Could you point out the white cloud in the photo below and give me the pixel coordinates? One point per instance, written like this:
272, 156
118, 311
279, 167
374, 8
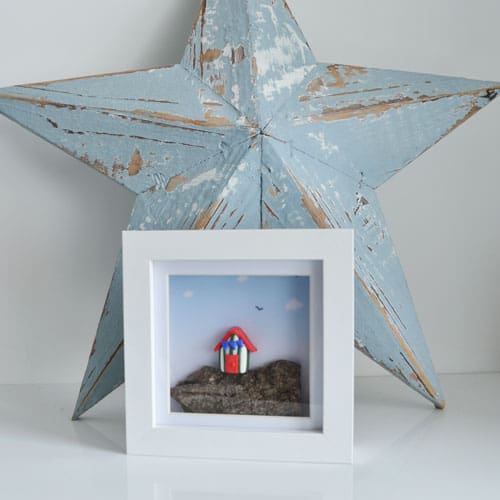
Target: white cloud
188, 294
294, 305
242, 279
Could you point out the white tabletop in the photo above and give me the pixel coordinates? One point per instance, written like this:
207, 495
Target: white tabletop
403, 450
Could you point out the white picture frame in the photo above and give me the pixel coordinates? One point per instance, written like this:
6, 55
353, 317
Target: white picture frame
326, 256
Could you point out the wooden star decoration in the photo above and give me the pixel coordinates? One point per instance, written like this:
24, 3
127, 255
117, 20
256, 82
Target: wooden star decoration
250, 131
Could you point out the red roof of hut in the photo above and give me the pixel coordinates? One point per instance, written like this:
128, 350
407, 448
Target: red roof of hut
236, 330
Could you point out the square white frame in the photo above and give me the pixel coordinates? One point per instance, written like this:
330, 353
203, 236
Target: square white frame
334, 442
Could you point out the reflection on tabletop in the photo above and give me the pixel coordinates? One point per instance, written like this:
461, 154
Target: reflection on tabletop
403, 449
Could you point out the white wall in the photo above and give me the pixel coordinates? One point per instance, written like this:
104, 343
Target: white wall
60, 222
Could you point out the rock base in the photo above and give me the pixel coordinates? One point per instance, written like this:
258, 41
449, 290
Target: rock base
274, 390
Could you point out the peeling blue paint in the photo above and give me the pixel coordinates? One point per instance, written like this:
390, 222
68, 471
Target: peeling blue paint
250, 132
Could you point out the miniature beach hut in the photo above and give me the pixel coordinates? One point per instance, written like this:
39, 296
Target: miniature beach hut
234, 351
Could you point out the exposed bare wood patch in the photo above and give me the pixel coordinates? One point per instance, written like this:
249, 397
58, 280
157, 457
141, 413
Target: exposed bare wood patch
204, 218
317, 214
220, 89
339, 79
41, 102
174, 182
352, 71
203, 9
210, 55
100, 167
135, 164
306, 98
474, 109
200, 14
117, 114
219, 217
217, 121
360, 111
274, 191
117, 169
238, 54
89, 95
210, 121
255, 67
315, 86
399, 337
415, 375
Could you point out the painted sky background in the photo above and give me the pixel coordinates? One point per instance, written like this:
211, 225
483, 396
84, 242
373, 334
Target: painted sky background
203, 308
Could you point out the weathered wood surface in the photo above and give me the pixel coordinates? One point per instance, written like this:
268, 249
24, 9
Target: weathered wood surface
250, 132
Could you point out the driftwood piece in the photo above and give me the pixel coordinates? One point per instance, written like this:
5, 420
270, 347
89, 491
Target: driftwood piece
274, 390
249, 131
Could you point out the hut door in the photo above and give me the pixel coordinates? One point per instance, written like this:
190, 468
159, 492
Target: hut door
232, 364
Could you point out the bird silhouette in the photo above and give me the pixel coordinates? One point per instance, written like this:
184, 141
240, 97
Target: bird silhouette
259, 308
